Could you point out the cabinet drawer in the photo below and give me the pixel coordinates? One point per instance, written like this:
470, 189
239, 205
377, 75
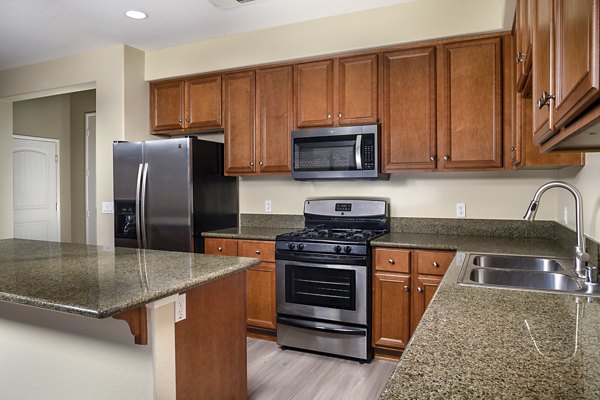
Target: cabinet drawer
223, 247
433, 262
257, 249
392, 260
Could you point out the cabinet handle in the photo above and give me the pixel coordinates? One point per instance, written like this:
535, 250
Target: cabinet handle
328, 116
251, 164
187, 120
260, 163
180, 120
446, 157
219, 249
406, 288
340, 115
420, 289
544, 100
520, 57
513, 148
436, 265
391, 261
257, 252
432, 158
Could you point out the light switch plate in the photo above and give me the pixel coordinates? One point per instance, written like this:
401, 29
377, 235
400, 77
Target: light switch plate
108, 207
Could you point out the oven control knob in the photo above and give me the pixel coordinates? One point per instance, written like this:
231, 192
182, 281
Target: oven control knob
348, 249
337, 248
291, 246
300, 246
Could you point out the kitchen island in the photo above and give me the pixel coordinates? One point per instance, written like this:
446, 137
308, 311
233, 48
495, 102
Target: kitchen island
476, 342
59, 342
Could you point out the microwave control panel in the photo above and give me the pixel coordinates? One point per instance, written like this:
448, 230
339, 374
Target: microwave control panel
368, 152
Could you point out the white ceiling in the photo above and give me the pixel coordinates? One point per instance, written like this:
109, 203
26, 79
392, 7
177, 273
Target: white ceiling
36, 30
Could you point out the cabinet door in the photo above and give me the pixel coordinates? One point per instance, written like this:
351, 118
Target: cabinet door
358, 90
221, 247
423, 291
471, 105
576, 57
260, 300
409, 110
239, 92
203, 102
275, 119
523, 43
314, 94
166, 106
391, 310
542, 34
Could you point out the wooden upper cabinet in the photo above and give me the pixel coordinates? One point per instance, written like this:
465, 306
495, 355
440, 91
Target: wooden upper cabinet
166, 106
203, 102
541, 29
523, 54
358, 90
314, 94
239, 122
409, 110
576, 57
470, 108
275, 118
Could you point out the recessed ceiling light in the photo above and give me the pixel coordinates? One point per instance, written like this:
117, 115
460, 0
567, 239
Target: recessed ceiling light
136, 14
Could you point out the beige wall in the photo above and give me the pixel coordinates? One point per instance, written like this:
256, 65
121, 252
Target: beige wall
6, 170
49, 117
104, 69
81, 102
587, 180
408, 22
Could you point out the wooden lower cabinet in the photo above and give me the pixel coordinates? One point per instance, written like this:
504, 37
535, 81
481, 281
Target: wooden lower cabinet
261, 316
404, 282
391, 310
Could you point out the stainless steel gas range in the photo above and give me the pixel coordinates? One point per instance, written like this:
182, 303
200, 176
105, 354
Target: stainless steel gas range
324, 277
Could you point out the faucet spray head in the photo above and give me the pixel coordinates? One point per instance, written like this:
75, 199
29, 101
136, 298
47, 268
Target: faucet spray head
531, 211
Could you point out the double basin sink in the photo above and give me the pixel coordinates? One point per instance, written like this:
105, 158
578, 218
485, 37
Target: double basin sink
524, 273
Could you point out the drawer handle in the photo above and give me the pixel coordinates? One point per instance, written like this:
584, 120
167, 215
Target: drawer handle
420, 289
391, 261
220, 249
436, 265
257, 252
406, 288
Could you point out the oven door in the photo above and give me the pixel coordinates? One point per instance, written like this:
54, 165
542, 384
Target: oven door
322, 291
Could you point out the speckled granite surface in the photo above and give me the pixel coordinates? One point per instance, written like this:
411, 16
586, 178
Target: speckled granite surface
102, 281
248, 233
478, 343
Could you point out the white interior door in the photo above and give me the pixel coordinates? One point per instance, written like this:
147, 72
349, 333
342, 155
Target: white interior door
35, 189
90, 178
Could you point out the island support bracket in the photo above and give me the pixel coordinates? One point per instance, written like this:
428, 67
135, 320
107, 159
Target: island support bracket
137, 321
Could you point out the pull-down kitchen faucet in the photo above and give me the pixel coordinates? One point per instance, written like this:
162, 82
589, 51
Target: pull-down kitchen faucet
580, 256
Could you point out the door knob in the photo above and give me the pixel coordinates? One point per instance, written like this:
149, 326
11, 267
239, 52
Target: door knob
436, 265
432, 158
420, 289
406, 288
446, 157
391, 261
220, 249
257, 252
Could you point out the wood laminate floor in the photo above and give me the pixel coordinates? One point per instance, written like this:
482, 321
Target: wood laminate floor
276, 374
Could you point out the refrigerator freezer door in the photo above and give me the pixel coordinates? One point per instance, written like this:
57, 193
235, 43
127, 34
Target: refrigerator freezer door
168, 195
127, 158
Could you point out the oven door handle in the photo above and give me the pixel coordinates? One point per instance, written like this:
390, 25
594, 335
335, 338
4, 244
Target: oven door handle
314, 326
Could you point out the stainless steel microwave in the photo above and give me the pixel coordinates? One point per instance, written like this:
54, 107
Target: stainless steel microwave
350, 152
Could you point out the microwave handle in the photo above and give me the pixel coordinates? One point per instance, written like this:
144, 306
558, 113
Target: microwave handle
357, 152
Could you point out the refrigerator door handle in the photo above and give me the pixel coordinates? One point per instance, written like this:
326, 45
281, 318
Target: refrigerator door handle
143, 205
137, 207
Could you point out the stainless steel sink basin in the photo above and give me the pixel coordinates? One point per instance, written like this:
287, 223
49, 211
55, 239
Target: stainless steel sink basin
518, 262
524, 273
525, 279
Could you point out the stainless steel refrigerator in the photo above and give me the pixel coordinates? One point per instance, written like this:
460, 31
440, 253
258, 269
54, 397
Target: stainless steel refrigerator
167, 192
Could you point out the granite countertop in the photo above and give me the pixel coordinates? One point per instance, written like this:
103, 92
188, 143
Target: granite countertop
248, 233
100, 282
477, 342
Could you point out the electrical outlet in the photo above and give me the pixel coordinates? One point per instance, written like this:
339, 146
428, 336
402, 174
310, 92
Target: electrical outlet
108, 207
180, 308
566, 215
461, 210
267, 205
